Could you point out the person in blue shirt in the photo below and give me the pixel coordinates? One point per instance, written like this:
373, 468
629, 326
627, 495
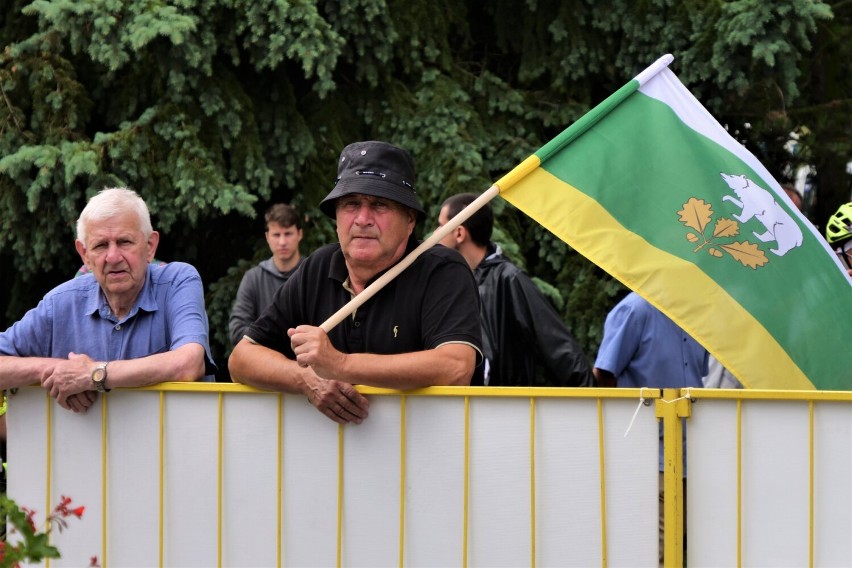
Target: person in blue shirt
126, 323
642, 347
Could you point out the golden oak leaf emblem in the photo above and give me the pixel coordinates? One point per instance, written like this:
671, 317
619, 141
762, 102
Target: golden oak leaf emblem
749, 254
697, 215
726, 228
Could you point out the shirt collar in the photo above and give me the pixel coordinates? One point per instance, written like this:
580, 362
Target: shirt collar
96, 301
493, 251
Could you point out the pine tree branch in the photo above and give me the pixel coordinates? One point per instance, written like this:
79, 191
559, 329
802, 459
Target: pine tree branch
11, 110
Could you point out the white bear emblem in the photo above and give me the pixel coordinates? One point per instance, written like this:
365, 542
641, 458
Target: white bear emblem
757, 202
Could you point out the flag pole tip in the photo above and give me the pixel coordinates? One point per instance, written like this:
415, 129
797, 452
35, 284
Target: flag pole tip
657, 66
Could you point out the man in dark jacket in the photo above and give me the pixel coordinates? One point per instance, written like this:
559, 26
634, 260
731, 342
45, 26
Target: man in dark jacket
519, 325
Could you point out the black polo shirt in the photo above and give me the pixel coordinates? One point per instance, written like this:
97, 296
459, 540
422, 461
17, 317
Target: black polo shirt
432, 302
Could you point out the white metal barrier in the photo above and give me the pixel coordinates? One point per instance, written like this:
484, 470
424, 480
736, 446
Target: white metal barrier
216, 474
770, 479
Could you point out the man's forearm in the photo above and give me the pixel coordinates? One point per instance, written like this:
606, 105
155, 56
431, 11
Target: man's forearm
19, 371
264, 368
186, 363
447, 365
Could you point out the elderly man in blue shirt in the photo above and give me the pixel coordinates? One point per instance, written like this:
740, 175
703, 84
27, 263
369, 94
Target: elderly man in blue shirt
126, 323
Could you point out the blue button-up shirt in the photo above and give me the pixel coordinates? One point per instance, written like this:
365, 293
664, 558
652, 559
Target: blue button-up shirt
642, 347
75, 317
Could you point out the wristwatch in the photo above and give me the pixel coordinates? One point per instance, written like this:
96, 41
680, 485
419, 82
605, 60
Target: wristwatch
99, 377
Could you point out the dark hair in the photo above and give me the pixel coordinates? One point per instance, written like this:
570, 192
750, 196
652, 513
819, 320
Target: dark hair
284, 215
480, 224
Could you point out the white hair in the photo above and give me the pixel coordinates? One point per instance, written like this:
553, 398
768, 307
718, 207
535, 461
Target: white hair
110, 202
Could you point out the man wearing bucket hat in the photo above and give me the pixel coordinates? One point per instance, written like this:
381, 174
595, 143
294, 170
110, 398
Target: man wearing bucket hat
421, 329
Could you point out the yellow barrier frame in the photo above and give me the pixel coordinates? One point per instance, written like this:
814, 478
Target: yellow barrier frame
672, 406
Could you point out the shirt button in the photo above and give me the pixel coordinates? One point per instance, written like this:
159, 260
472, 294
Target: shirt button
118, 327
357, 324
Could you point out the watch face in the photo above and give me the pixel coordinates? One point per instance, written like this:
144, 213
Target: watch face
99, 376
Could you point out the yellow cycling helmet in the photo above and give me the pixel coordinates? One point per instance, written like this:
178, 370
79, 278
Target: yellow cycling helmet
839, 227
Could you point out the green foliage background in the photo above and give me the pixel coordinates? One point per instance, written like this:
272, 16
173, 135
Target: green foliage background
212, 109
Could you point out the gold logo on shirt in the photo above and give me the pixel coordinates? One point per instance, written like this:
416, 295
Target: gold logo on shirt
395, 330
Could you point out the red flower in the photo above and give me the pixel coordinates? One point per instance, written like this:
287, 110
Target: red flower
78, 512
62, 507
30, 514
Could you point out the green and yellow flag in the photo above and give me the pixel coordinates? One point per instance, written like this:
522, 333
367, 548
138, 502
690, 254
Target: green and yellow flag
651, 188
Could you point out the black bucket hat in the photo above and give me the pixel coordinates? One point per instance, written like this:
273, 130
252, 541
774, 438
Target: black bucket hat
378, 169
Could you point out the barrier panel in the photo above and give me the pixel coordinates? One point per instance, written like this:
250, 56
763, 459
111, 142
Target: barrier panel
204, 475
770, 478
224, 475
